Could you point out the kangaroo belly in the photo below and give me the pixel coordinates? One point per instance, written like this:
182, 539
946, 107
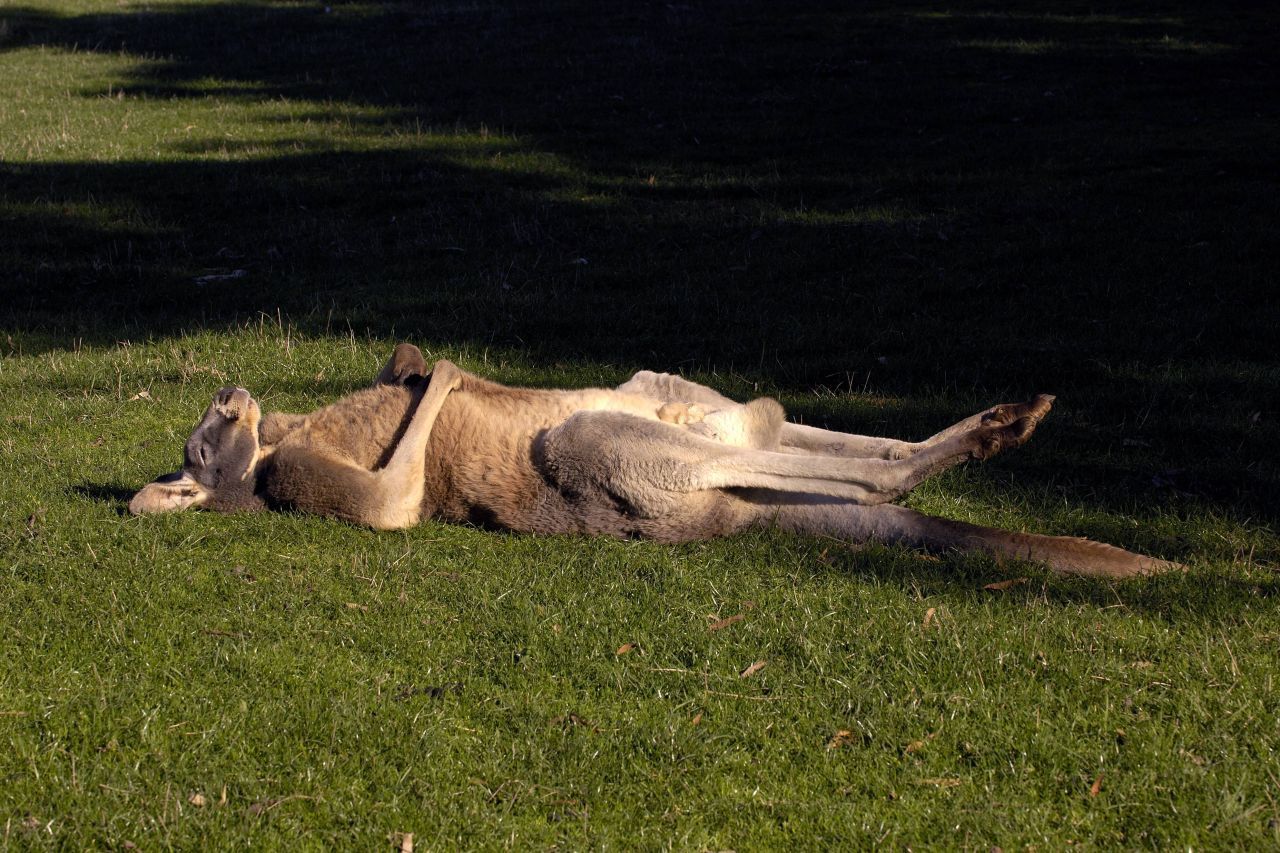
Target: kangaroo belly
362, 428
483, 464
487, 464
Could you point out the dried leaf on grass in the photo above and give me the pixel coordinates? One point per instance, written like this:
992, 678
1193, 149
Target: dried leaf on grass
1096, 787
625, 648
198, 800
726, 622
403, 841
839, 739
753, 669
1192, 757
929, 617
697, 718
1001, 586
942, 782
917, 745
351, 605
34, 522
569, 720
261, 807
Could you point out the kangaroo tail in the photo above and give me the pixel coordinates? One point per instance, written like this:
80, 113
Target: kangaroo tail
1068, 555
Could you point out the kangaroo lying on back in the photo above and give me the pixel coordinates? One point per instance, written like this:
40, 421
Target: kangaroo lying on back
658, 457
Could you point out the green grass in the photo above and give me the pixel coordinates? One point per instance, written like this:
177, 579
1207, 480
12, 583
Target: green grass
888, 215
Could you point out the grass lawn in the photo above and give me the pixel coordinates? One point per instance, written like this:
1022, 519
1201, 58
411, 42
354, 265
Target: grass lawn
889, 215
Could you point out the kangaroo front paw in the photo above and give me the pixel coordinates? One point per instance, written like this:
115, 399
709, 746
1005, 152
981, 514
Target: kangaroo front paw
681, 413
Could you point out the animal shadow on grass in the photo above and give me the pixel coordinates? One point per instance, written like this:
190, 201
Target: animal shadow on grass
113, 495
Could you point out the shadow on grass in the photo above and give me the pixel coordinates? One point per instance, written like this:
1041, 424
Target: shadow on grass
830, 186
113, 495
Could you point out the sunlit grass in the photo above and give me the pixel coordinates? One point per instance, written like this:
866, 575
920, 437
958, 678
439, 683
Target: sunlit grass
72, 106
888, 218
309, 669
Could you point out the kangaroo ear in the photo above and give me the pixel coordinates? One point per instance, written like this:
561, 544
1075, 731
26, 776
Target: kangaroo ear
169, 493
405, 367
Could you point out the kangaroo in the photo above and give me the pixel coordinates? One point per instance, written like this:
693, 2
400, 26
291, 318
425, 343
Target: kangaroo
658, 457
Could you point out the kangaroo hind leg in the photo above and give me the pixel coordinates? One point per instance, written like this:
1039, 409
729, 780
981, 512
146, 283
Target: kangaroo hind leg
682, 394
648, 465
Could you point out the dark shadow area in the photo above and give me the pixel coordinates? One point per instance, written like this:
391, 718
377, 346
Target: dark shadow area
1028, 196
112, 494
827, 180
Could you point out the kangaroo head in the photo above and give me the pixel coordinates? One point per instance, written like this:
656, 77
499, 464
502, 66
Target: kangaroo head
219, 461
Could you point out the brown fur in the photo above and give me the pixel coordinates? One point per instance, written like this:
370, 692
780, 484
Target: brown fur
659, 458
479, 465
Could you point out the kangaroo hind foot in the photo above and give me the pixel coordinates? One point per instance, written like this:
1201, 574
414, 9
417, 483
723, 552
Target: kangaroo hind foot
1007, 426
